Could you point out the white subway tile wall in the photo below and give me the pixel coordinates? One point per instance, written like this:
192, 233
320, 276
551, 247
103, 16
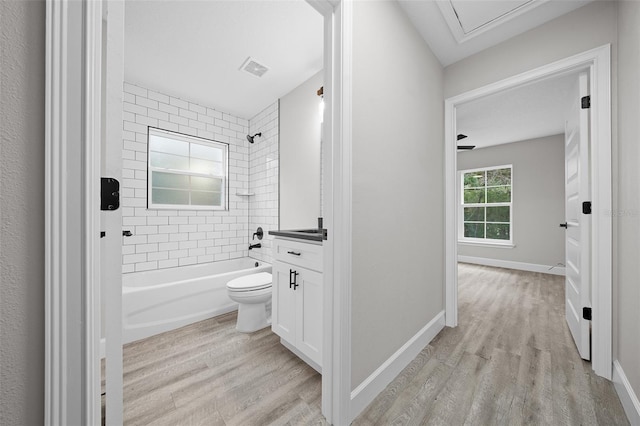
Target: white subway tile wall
263, 179
170, 238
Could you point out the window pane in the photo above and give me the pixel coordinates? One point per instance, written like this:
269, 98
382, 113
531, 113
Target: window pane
474, 180
499, 177
499, 194
206, 167
498, 231
199, 198
169, 146
169, 196
498, 214
474, 214
169, 180
206, 184
474, 230
169, 161
206, 152
473, 196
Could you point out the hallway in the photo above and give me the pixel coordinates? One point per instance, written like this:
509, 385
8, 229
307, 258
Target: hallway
511, 360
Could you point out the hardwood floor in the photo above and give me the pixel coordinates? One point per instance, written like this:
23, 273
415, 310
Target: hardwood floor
209, 374
510, 361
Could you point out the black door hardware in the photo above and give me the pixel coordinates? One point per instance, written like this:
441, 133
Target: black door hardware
586, 207
126, 233
259, 233
586, 314
564, 225
103, 234
109, 194
295, 253
293, 279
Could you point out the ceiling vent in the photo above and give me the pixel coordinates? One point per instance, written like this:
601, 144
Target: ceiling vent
253, 67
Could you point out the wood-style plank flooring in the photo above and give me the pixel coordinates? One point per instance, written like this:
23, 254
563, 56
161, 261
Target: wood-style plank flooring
510, 361
209, 374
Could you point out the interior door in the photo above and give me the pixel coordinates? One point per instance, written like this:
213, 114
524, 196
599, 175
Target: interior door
111, 221
578, 283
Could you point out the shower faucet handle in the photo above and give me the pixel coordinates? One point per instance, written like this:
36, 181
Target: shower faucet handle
259, 232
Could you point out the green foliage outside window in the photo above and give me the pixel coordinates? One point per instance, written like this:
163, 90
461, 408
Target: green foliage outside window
486, 203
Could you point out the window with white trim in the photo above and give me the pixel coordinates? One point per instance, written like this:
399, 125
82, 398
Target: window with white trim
186, 172
486, 205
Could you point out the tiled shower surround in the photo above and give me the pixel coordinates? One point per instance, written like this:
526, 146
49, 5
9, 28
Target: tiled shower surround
170, 238
263, 179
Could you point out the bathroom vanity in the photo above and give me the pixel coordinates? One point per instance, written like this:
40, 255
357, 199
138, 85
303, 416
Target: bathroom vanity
297, 311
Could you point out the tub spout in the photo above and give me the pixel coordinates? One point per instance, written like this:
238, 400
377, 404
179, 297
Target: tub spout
252, 246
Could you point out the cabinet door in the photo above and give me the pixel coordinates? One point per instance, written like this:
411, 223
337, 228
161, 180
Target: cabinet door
283, 312
309, 314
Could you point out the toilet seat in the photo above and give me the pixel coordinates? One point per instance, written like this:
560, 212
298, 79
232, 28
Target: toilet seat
250, 282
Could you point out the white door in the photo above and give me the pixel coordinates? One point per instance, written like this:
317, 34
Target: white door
578, 283
111, 221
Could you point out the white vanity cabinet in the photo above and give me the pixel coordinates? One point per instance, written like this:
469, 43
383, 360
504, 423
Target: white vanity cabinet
297, 298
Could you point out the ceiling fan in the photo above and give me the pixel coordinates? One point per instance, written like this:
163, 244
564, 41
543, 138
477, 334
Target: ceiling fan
464, 147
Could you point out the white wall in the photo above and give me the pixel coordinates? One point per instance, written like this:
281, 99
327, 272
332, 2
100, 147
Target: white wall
22, 75
300, 156
538, 199
626, 215
398, 188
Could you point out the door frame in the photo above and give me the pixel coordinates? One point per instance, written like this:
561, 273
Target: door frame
598, 63
73, 102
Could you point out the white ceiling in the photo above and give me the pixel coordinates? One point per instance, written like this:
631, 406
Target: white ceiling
528, 112
194, 49
478, 24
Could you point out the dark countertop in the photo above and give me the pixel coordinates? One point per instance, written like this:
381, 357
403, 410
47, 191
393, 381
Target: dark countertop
301, 234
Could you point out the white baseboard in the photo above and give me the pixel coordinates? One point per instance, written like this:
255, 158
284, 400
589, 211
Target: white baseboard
522, 266
379, 379
626, 394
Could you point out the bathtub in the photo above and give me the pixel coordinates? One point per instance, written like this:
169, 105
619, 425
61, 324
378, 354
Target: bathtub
164, 299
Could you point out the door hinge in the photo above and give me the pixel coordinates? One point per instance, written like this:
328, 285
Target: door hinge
586, 313
585, 102
586, 207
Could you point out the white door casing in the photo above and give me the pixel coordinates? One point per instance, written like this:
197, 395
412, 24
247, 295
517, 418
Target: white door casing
577, 238
597, 62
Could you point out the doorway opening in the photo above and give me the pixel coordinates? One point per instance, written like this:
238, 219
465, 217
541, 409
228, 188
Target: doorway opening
596, 64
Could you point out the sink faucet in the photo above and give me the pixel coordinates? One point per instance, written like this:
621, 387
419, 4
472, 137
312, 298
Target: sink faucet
252, 246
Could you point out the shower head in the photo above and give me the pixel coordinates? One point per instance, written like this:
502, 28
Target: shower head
250, 138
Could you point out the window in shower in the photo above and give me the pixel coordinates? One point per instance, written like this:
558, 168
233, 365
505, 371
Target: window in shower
186, 172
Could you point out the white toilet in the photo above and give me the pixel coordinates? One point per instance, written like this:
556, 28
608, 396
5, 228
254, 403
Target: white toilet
253, 293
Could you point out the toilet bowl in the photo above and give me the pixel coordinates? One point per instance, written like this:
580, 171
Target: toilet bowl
253, 294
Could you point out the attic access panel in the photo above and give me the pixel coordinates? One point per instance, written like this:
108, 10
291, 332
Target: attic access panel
467, 18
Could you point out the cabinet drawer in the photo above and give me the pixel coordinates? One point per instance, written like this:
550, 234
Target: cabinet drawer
299, 254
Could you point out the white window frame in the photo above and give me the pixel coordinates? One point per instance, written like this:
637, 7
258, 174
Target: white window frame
483, 241
191, 140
